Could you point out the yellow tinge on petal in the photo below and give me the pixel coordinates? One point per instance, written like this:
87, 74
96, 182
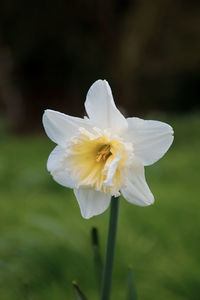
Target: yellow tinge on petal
99, 161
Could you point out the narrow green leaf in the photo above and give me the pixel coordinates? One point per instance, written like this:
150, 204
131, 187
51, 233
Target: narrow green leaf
96, 253
26, 291
131, 290
78, 292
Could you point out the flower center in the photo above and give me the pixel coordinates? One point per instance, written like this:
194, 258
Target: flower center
98, 161
103, 153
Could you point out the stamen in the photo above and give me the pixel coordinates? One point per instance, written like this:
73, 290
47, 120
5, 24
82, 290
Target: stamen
103, 153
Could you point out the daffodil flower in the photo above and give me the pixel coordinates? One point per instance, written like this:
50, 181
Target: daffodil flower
104, 155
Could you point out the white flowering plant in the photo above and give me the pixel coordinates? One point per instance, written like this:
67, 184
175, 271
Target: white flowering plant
102, 156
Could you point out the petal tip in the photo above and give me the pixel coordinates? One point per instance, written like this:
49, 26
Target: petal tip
151, 201
148, 202
47, 113
100, 83
85, 216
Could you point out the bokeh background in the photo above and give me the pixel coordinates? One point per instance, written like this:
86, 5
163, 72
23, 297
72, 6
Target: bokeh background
50, 54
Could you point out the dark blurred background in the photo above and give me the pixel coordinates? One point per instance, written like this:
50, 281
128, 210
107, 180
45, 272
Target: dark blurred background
52, 51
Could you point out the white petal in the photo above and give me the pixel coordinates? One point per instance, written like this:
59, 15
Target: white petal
136, 190
111, 170
56, 165
91, 202
60, 127
150, 139
101, 108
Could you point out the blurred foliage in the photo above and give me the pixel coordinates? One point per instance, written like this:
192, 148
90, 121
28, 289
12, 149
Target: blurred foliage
52, 51
45, 243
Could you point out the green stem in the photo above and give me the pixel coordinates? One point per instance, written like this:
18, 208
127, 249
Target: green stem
108, 265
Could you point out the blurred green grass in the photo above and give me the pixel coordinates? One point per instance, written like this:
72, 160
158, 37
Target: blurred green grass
45, 243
